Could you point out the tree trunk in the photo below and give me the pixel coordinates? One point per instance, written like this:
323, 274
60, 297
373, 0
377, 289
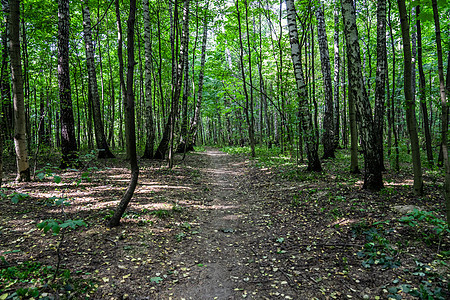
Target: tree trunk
5, 82
328, 138
201, 75
20, 139
443, 90
304, 112
69, 148
422, 93
336, 79
410, 105
100, 137
354, 166
130, 131
150, 128
380, 80
372, 170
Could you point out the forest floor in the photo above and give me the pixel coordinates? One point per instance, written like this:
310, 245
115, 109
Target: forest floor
221, 226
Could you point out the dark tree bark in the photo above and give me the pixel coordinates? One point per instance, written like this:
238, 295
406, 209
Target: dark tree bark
380, 80
410, 105
20, 139
100, 137
328, 138
422, 93
304, 112
69, 148
150, 128
372, 170
130, 131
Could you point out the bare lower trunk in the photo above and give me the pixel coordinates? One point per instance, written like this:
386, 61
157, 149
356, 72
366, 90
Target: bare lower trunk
304, 112
328, 115
410, 105
100, 137
130, 121
443, 90
372, 168
150, 130
20, 140
69, 148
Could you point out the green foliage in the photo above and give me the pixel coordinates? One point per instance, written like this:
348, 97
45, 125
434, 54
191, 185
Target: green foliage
56, 225
378, 250
17, 197
34, 278
418, 217
432, 284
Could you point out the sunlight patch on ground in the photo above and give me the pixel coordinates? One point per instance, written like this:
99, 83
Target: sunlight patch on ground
157, 206
342, 222
215, 153
154, 187
408, 182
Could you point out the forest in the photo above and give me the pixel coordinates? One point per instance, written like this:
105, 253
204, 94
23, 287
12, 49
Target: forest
227, 149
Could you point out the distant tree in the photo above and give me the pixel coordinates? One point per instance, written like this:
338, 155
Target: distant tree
20, 140
68, 142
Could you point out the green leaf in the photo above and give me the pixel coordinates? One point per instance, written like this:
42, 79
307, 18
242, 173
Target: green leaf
156, 279
57, 179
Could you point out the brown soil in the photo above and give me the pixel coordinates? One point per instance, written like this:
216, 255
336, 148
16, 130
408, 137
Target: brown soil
218, 227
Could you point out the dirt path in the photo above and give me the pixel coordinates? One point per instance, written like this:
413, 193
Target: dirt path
213, 255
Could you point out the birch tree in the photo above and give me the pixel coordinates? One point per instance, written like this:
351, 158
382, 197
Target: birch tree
302, 92
372, 170
328, 118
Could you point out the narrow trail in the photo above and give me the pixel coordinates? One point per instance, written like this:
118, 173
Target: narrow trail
222, 235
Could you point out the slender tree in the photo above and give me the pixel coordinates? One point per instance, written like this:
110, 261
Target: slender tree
196, 118
422, 92
150, 128
328, 138
410, 105
372, 170
443, 90
336, 79
380, 80
302, 92
130, 131
68, 142
99, 131
20, 140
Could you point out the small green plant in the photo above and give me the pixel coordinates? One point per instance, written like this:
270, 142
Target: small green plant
17, 197
378, 250
161, 213
179, 237
414, 218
